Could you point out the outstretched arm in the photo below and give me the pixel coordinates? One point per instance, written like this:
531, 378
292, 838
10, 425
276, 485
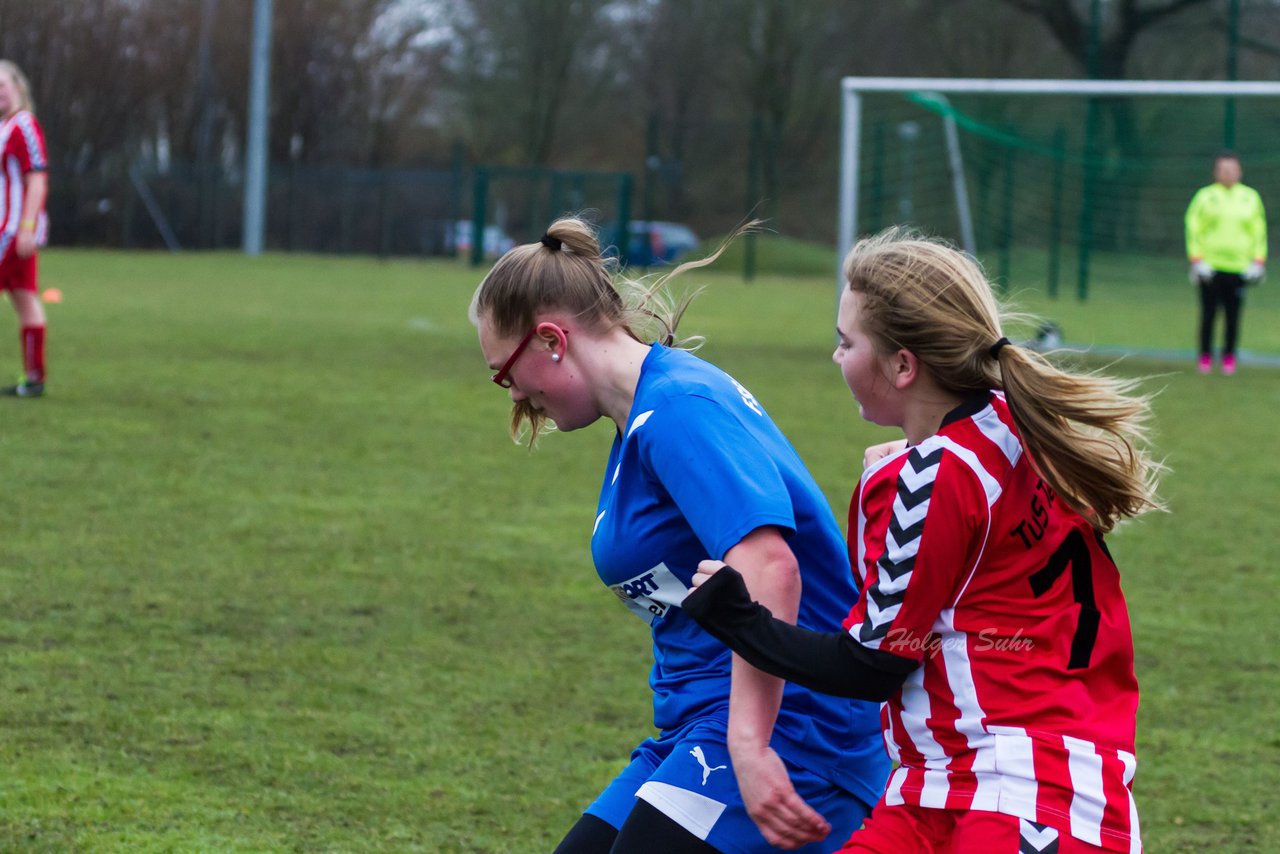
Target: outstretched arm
832, 663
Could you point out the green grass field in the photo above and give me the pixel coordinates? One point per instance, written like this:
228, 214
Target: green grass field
275, 579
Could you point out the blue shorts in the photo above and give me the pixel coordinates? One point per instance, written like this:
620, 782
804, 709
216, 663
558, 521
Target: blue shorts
686, 775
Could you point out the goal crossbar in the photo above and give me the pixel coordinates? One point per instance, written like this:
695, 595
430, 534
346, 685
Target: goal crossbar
1061, 87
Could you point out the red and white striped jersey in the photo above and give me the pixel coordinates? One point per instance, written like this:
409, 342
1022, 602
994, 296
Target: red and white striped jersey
1025, 700
21, 152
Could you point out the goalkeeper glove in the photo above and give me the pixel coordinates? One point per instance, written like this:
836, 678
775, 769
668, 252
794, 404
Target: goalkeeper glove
1200, 272
1255, 272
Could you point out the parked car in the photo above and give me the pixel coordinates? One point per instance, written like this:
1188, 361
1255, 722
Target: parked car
651, 244
496, 241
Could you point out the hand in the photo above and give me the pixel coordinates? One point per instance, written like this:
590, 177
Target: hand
1200, 271
719, 597
1255, 272
25, 245
706, 569
876, 453
771, 800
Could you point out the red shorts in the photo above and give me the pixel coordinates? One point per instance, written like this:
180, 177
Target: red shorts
908, 829
18, 274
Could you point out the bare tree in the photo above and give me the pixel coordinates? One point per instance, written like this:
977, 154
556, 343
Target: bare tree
677, 89
1122, 23
594, 84
515, 67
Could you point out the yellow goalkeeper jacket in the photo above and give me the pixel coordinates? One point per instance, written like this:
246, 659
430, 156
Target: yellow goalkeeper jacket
1227, 227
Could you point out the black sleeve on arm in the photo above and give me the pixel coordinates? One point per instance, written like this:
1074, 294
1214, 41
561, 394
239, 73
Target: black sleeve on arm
831, 663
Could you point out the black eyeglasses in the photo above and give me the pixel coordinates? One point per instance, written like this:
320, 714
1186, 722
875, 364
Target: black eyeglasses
502, 377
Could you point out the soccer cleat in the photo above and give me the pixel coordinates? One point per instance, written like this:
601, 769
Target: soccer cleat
1206, 363
1228, 364
26, 388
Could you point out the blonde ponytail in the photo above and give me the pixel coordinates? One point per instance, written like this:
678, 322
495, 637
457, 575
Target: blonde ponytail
1086, 434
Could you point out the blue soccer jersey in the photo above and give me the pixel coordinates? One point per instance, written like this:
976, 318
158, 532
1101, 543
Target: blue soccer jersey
700, 466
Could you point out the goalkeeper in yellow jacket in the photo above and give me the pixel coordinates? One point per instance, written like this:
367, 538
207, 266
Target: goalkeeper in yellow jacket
1227, 250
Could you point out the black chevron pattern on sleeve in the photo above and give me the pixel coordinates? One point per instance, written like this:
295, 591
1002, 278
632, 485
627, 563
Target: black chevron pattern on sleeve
902, 542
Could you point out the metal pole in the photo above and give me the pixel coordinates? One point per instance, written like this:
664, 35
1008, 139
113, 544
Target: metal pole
958, 187
1055, 217
850, 133
384, 213
1095, 25
1089, 177
1006, 220
624, 215
908, 133
456, 188
154, 209
204, 129
1085, 244
255, 176
753, 197
876, 192
652, 161
1233, 50
479, 199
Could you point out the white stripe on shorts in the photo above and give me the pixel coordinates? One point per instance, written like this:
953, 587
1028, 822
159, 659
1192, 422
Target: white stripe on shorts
694, 812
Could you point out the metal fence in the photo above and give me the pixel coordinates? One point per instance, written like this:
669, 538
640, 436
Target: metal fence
384, 212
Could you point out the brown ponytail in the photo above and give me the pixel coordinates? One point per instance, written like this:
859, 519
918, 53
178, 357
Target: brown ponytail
566, 271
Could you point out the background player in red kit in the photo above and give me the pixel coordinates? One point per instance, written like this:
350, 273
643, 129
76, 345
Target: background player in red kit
23, 225
990, 619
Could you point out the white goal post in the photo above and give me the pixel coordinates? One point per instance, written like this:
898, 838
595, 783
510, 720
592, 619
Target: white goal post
854, 88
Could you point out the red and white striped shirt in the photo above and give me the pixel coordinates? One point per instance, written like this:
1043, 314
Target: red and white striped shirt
21, 152
1026, 700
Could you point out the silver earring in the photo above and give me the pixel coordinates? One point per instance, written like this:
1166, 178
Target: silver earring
555, 357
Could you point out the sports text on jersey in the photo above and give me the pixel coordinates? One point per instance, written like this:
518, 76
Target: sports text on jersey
650, 594
1031, 529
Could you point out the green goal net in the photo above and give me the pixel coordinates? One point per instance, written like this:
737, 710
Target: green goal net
1054, 185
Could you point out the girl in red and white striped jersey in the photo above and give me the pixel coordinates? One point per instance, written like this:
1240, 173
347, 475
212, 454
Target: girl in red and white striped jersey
23, 225
990, 620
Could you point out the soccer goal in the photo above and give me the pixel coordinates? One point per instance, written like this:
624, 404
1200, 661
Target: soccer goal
1054, 184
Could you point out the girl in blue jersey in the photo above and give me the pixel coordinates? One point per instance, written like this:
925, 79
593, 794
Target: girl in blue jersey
742, 761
